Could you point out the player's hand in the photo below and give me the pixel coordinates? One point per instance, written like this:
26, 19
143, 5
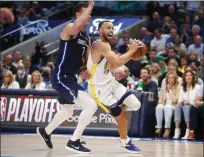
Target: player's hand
85, 75
91, 3
135, 45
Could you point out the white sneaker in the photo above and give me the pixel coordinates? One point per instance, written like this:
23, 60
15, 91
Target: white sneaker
177, 133
186, 134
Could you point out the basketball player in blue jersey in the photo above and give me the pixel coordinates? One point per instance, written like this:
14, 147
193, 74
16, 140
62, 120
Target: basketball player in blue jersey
73, 50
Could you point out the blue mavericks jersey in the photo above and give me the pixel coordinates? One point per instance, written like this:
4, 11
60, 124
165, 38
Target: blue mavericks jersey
70, 55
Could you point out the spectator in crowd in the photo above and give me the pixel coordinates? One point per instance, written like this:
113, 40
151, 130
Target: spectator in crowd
134, 67
27, 65
147, 84
46, 75
127, 74
155, 23
187, 98
178, 45
189, 36
167, 101
36, 81
173, 33
167, 24
126, 34
172, 54
162, 79
156, 73
200, 20
198, 46
152, 6
119, 76
201, 68
51, 65
173, 61
123, 48
145, 36
192, 6
2, 70
8, 64
192, 56
161, 61
183, 64
152, 56
16, 58
159, 41
152, 78
21, 77
172, 13
8, 81
196, 113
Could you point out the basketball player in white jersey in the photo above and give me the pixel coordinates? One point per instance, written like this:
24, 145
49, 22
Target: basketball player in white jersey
107, 92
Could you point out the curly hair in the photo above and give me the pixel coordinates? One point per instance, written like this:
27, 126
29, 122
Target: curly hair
184, 84
176, 82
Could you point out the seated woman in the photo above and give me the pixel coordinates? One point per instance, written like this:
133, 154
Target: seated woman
167, 101
8, 81
36, 81
187, 98
156, 71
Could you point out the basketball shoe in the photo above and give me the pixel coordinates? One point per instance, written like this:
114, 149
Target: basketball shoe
129, 147
46, 138
77, 147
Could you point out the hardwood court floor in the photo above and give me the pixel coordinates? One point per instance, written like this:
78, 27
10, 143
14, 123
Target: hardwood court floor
32, 146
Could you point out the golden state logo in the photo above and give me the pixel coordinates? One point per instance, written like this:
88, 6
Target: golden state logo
106, 68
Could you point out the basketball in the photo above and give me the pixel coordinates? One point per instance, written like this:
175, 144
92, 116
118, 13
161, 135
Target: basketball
139, 53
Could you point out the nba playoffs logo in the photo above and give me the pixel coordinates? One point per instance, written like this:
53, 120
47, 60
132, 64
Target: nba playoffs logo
3, 108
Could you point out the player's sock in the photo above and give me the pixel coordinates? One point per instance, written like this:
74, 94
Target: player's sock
65, 112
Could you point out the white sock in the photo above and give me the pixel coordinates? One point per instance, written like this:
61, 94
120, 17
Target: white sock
65, 112
124, 141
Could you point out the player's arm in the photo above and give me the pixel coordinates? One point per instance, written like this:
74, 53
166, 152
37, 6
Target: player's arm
115, 60
79, 24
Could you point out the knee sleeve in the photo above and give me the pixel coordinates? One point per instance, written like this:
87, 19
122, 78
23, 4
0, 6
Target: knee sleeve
116, 111
132, 103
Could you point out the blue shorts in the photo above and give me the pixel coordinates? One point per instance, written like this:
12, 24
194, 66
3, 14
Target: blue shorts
66, 87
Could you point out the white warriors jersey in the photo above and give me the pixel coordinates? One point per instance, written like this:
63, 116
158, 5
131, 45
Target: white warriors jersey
100, 73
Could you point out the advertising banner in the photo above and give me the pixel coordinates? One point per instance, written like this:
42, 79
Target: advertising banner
120, 23
22, 110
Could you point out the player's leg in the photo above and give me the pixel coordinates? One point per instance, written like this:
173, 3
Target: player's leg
89, 108
131, 103
65, 112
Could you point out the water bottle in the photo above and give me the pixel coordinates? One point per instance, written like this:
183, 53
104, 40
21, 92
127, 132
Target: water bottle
140, 86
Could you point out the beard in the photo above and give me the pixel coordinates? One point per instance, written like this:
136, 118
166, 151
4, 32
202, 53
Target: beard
105, 37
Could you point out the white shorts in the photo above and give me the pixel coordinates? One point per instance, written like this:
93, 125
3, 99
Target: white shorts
112, 93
